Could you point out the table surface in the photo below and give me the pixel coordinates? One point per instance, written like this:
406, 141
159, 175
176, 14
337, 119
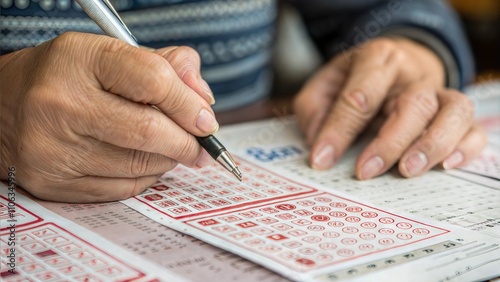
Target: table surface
267, 108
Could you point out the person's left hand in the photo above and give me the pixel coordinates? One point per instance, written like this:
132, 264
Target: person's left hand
402, 81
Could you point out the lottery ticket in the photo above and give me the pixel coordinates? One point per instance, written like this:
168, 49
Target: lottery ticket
306, 231
38, 245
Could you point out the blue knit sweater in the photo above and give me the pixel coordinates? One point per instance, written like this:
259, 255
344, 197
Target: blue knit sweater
235, 37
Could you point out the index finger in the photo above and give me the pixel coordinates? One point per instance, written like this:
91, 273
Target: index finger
373, 71
145, 77
187, 64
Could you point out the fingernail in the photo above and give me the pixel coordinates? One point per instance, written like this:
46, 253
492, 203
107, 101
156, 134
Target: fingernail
453, 160
416, 163
204, 160
204, 85
360, 100
323, 158
206, 122
372, 167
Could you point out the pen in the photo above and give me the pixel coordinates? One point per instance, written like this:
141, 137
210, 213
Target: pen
104, 15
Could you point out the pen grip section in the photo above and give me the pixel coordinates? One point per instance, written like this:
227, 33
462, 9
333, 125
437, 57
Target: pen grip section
213, 147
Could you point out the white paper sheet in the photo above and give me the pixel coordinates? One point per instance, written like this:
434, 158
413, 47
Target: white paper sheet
180, 254
144, 249
38, 245
308, 225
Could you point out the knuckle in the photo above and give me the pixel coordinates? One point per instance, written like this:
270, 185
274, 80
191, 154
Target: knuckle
187, 152
178, 101
187, 53
427, 145
443, 149
424, 105
139, 163
185, 60
148, 128
157, 77
396, 145
112, 46
62, 41
60, 48
381, 45
348, 125
359, 102
437, 144
465, 105
136, 188
398, 56
462, 113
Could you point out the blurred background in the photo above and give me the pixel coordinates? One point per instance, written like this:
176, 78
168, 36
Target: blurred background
295, 57
481, 19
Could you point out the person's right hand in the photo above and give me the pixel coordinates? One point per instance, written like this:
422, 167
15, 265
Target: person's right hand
78, 123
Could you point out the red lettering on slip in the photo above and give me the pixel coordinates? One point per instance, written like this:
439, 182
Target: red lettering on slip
306, 262
208, 222
277, 237
247, 224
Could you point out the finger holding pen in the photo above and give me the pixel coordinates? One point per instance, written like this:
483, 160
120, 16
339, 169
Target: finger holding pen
152, 80
103, 13
163, 78
187, 64
82, 126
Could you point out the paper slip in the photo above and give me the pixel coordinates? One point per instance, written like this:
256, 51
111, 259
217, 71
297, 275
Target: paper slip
38, 245
308, 229
177, 253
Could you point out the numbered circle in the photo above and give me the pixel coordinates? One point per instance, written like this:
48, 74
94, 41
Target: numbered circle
369, 214
386, 231
386, 220
368, 225
404, 236
403, 225
328, 246
367, 236
345, 253
321, 208
338, 214
366, 247
335, 224
315, 227
331, 234
352, 219
338, 205
324, 257
421, 231
353, 209
386, 241
349, 241
323, 199
350, 230
320, 218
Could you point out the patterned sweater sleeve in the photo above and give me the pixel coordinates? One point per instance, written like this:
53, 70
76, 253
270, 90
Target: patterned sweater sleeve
339, 25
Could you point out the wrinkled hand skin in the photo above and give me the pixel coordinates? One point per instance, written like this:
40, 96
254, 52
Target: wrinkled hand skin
396, 87
78, 121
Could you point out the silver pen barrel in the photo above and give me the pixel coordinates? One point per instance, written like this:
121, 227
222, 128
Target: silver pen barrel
108, 20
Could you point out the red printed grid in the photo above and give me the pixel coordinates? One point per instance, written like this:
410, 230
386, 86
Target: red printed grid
181, 193
315, 231
21, 215
49, 253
